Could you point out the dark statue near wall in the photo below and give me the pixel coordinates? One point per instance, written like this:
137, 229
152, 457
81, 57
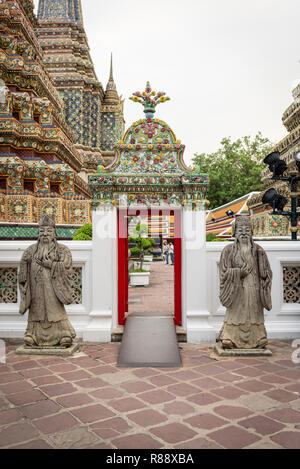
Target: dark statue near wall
245, 290
45, 287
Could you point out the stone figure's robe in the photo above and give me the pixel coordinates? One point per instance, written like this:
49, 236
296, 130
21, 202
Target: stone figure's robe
245, 298
44, 292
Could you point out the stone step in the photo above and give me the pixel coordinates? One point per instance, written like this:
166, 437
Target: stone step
116, 335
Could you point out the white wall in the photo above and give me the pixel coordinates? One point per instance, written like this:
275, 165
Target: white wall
94, 319
12, 324
283, 321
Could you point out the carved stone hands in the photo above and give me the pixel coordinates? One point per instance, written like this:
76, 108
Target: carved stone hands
45, 263
245, 270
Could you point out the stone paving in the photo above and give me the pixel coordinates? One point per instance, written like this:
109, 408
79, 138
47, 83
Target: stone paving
85, 401
158, 296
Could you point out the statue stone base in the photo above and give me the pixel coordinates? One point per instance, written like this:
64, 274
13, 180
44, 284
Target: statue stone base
57, 351
241, 352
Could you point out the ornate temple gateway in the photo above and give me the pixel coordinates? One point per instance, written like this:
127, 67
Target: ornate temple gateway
147, 177
148, 168
55, 117
265, 224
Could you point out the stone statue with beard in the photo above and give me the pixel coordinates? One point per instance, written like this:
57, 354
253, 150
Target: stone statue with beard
245, 290
45, 287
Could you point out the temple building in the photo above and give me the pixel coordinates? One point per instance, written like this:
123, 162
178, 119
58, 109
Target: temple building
219, 220
265, 224
55, 117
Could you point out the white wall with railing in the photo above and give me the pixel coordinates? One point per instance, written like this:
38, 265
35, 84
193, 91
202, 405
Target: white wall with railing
94, 311
283, 321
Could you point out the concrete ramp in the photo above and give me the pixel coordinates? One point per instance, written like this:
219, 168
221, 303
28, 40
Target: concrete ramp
149, 341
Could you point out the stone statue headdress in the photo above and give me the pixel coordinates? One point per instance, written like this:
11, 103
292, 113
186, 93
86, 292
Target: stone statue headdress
242, 220
47, 220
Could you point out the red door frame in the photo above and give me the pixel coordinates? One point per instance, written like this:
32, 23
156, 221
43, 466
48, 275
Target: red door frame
123, 263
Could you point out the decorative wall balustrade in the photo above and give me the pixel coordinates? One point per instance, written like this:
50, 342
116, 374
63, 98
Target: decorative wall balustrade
9, 285
291, 283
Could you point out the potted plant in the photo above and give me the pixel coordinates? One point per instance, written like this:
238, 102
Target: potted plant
140, 275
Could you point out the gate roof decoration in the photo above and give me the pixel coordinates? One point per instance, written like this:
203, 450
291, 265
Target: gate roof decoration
148, 168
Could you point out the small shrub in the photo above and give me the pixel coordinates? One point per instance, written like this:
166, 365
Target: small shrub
84, 233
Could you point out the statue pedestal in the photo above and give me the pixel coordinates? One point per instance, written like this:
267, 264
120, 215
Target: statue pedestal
57, 351
242, 352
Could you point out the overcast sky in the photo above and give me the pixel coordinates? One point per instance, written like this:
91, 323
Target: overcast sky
229, 66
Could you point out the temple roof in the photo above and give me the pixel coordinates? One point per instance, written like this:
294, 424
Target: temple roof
60, 10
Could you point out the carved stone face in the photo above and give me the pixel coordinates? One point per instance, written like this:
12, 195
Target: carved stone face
47, 233
243, 233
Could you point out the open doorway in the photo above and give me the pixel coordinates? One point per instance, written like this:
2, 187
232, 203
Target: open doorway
149, 263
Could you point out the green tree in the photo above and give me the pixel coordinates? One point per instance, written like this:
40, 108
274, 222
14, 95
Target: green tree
143, 245
234, 169
84, 233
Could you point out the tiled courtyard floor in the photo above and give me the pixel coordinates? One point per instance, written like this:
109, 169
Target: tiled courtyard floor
87, 402
158, 296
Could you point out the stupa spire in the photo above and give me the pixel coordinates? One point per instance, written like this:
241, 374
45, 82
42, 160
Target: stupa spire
60, 10
111, 95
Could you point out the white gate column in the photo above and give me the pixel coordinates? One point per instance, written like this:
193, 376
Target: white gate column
194, 275
104, 274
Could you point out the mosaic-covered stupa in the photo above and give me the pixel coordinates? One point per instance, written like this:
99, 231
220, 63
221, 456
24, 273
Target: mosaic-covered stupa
264, 223
54, 117
95, 115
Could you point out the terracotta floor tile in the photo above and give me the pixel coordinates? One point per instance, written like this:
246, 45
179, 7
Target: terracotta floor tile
232, 412
92, 413
162, 380
182, 389
156, 397
233, 437
285, 415
137, 441
178, 408
56, 423
254, 386
281, 395
137, 386
107, 393
9, 416
229, 392
288, 439
204, 398
262, 425
40, 409
58, 389
173, 433
74, 400
147, 418
18, 433
206, 421
126, 404
26, 397
207, 383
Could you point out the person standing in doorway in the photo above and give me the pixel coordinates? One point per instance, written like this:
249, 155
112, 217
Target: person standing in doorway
171, 252
165, 251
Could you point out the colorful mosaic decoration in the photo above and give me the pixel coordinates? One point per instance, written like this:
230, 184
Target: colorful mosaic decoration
8, 285
291, 283
148, 169
95, 115
52, 107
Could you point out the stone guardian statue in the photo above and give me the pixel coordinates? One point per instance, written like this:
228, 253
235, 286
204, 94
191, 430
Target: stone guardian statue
245, 290
45, 287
